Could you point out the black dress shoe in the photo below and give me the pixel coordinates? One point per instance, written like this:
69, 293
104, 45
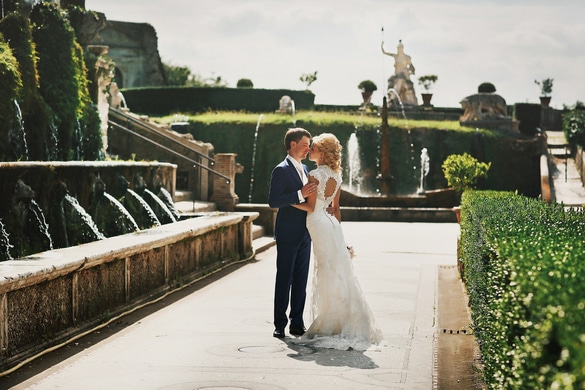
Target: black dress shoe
278, 333
297, 330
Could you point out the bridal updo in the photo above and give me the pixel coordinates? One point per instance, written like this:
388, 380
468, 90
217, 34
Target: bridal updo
329, 145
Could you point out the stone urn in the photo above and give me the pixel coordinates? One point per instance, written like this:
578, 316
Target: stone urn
426, 97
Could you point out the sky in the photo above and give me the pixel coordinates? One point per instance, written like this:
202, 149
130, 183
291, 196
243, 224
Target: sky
509, 43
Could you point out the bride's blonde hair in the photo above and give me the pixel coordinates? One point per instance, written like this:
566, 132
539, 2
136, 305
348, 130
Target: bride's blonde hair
329, 145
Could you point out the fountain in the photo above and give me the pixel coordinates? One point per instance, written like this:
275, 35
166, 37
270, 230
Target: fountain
425, 162
254, 158
422, 205
354, 165
17, 135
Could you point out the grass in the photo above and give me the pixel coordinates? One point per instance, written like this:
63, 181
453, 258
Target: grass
312, 117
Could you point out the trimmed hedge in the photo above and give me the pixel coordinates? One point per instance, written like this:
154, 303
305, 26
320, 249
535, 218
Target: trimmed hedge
515, 160
160, 101
524, 271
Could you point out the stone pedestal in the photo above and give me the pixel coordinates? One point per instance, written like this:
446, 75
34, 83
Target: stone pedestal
224, 194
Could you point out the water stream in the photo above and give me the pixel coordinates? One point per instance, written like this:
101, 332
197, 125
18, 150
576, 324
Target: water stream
412, 161
354, 164
254, 156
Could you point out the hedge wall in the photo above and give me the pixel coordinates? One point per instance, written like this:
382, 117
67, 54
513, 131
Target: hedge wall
515, 160
160, 101
524, 271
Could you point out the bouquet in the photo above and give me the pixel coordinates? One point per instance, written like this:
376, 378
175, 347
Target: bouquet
351, 251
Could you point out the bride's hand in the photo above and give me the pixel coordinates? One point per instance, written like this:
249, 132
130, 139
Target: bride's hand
331, 210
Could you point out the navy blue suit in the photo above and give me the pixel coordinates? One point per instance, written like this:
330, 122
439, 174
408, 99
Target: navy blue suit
293, 245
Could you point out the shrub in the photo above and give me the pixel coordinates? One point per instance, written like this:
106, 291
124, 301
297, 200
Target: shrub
367, 86
545, 86
523, 269
427, 81
463, 170
245, 83
486, 88
574, 127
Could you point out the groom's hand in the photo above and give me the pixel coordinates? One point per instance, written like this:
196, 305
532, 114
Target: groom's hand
308, 189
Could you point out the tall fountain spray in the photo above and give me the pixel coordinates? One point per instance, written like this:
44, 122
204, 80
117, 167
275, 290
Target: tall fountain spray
384, 175
354, 164
254, 156
411, 144
425, 162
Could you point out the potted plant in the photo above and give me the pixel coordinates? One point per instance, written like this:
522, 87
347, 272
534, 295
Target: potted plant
367, 87
545, 91
427, 82
462, 172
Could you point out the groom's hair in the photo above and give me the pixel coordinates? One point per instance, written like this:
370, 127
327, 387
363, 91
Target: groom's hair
295, 134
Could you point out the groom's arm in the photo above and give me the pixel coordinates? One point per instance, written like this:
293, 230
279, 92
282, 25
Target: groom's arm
277, 195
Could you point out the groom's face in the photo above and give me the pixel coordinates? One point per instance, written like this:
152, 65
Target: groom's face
299, 150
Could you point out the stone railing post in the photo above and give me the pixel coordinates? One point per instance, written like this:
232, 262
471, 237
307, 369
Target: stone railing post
224, 194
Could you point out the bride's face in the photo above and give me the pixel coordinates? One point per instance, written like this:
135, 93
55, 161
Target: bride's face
314, 153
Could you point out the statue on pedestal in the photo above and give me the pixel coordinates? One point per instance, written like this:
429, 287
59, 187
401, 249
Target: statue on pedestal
400, 80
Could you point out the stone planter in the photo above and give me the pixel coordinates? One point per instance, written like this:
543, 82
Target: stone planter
426, 97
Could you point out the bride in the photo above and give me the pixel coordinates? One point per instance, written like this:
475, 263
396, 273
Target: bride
341, 316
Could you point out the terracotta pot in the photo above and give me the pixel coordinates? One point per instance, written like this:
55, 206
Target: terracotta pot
426, 97
367, 95
457, 211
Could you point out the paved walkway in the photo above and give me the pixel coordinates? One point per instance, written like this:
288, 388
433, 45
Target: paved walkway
567, 186
219, 335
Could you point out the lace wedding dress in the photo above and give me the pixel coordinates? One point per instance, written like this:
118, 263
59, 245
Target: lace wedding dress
341, 316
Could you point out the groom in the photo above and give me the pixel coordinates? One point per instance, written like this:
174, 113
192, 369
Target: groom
288, 186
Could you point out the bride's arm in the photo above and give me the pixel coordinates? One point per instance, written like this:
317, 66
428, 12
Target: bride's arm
309, 205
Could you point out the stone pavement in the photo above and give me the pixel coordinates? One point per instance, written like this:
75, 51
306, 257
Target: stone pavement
217, 334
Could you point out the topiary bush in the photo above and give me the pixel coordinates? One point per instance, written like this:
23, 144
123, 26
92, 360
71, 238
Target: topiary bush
486, 88
245, 83
463, 170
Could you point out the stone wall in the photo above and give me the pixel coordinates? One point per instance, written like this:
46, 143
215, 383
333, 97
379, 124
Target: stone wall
48, 297
134, 49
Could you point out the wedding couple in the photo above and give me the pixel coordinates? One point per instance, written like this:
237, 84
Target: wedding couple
308, 209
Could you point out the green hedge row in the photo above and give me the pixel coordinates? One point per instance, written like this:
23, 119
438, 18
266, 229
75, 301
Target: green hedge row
515, 162
168, 100
523, 265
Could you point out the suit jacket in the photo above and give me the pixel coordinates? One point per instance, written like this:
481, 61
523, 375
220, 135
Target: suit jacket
284, 185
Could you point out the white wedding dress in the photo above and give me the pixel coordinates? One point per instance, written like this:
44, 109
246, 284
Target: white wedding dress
341, 316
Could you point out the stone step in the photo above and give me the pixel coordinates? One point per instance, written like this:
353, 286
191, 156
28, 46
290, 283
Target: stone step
257, 231
263, 243
183, 196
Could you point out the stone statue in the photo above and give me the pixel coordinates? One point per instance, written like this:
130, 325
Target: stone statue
116, 99
483, 106
400, 81
285, 105
487, 110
